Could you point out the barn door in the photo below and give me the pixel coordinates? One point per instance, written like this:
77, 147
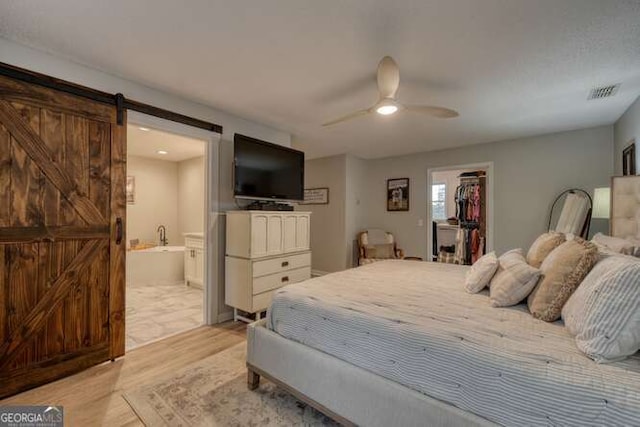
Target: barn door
62, 207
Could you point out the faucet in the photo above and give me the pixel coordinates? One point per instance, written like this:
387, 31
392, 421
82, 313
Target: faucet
163, 235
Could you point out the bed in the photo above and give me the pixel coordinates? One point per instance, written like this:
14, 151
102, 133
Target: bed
402, 343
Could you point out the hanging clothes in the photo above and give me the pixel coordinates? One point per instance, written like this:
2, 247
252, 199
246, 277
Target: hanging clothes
459, 257
470, 243
475, 245
467, 197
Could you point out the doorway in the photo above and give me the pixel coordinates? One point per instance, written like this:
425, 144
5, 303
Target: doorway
168, 228
444, 215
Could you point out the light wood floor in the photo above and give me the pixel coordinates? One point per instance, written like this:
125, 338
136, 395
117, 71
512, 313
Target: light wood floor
94, 397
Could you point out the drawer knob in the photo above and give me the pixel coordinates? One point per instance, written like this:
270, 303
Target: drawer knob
285, 263
285, 279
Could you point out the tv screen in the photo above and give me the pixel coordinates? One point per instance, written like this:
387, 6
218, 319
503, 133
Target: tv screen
267, 171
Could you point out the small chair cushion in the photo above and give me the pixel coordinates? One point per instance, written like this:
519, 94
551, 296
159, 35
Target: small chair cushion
563, 270
382, 251
543, 246
513, 281
480, 273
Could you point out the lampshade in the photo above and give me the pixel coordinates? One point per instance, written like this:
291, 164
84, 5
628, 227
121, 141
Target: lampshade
601, 203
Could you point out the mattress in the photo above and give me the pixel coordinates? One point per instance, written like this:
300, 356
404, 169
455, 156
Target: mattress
413, 323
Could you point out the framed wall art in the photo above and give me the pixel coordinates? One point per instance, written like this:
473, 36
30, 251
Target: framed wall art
629, 159
316, 196
398, 195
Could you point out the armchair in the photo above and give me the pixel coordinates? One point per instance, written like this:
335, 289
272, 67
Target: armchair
377, 245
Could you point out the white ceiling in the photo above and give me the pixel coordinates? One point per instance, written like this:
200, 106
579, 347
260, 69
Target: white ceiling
512, 68
147, 144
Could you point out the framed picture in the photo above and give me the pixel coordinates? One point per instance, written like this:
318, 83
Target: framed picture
398, 194
629, 159
131, 190
316, 196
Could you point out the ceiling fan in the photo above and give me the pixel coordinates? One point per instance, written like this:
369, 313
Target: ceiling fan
388, 82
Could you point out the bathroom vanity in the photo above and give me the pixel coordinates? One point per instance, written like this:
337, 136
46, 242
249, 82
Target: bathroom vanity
194, 259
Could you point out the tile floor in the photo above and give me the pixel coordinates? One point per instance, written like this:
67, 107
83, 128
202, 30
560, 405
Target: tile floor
157, 310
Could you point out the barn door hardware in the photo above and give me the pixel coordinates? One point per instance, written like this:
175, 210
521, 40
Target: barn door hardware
118, 99
119, 109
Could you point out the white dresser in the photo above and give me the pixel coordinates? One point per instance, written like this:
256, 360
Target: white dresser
194, 259
265, 251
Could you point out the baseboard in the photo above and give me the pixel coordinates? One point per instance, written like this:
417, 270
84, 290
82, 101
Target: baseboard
316, 273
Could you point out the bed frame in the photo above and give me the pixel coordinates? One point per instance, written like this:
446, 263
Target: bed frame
344, 392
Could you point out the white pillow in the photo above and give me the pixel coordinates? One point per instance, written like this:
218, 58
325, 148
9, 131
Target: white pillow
604, 312
514, 280
615, 244
573, 312
481, 272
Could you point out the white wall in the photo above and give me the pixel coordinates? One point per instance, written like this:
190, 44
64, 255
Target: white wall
355, 191
528, 174
156, 200
191, 182
334, 227
329, 249
626, 129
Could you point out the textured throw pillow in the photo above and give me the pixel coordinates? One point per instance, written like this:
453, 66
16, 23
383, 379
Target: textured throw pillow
513, 281
384, 251
604, 312
480, 274
543, 246
562, 271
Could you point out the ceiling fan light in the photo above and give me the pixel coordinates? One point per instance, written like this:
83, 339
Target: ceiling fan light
386, 109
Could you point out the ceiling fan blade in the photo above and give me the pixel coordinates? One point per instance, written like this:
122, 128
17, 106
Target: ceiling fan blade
439, 112
348, 117
388, 77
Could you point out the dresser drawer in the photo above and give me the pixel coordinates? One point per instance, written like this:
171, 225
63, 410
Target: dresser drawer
262, 301
274, 281
280, 264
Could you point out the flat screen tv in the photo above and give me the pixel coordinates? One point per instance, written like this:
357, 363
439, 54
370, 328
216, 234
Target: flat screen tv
267, 171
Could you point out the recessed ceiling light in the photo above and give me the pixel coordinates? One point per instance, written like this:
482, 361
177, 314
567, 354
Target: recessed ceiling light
163, 152
144, 129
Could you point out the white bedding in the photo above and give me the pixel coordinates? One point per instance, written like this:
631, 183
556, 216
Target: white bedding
413, 323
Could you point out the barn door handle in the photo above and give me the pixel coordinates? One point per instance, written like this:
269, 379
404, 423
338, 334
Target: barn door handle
118, 231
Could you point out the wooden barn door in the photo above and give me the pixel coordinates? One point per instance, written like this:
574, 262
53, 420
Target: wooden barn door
62, 207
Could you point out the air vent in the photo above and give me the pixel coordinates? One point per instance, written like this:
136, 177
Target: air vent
603, 92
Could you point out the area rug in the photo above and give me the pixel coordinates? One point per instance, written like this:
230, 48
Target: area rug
213, 392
